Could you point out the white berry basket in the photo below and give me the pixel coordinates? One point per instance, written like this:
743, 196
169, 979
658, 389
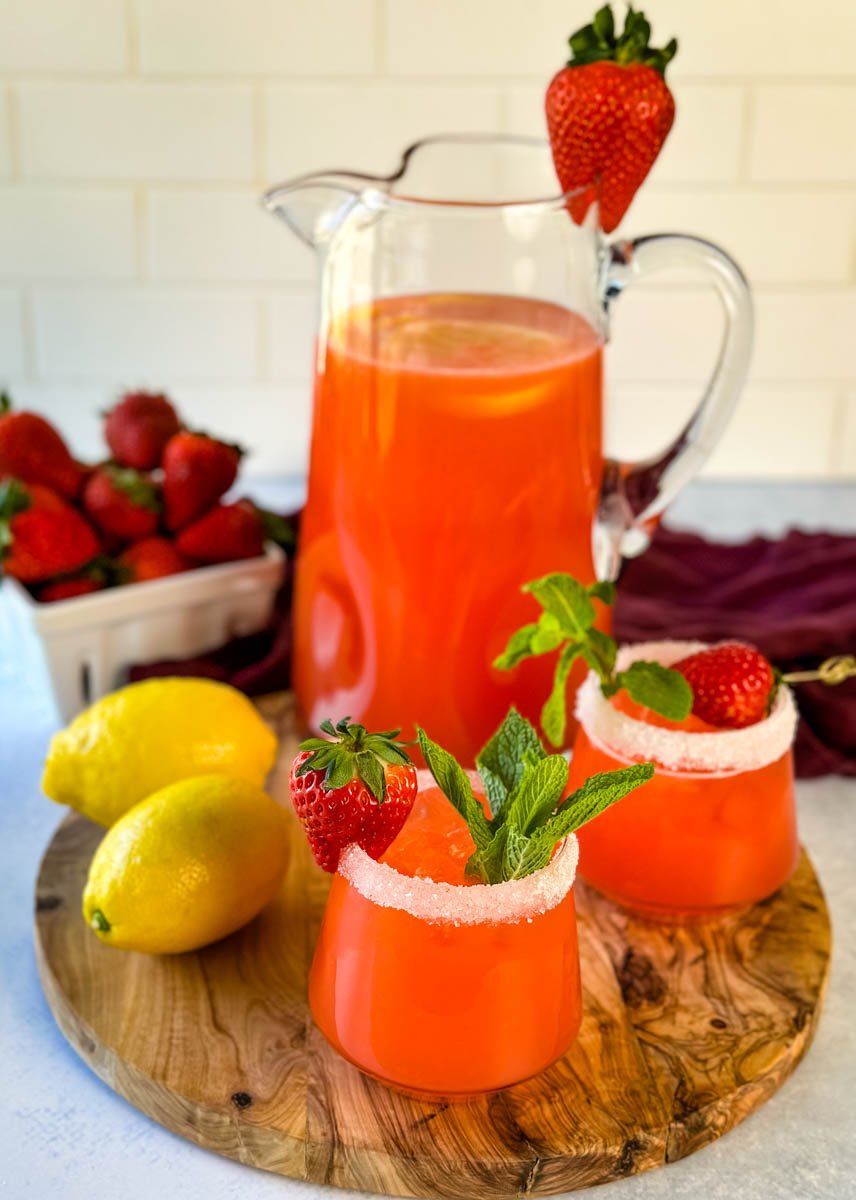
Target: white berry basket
85, 645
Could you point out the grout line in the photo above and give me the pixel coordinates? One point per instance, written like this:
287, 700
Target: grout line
141, 228
836, 465
132, 38
304, 285
381, 30
310, 78
260, 127
28, 332
674, 187
263, 342
12, 115
747, 132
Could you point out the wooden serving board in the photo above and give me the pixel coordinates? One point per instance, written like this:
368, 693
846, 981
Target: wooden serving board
685, 1032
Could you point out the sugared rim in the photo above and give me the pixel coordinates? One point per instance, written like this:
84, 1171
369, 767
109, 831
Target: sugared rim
728, 752
458, 904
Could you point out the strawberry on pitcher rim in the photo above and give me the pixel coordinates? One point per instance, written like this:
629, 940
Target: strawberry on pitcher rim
609, 112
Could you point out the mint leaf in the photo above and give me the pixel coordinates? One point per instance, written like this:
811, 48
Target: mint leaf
516, 845
554, 714
603, 590
453, 782
501, 761
538, 794
595, 796
566, 599
519, 647
605, 648
548, 634
656, 687
487, 864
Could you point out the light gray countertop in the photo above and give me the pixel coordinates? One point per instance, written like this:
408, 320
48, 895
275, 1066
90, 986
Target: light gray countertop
65, 1136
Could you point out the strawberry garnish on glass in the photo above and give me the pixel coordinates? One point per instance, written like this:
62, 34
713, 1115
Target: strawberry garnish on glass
733, 684
355, 787
608, 113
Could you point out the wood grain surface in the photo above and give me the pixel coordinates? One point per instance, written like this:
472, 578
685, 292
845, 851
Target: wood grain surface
685, 1032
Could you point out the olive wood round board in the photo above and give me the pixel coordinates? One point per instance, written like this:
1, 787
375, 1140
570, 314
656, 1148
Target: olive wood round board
685, 1032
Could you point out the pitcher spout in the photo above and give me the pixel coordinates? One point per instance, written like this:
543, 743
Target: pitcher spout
314, 206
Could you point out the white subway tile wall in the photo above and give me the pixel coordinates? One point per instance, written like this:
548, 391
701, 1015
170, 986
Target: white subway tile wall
136, 136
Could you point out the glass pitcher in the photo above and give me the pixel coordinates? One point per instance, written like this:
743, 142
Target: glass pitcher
457, 433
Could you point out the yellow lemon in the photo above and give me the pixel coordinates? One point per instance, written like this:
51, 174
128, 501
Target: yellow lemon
186, 866
146, 735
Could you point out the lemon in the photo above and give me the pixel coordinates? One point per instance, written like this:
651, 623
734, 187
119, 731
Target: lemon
186, 866
146, 735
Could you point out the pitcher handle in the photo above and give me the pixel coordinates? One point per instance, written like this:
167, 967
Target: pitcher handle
634, 494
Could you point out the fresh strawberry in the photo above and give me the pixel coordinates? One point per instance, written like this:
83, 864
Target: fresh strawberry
152, 558
356, 787
732, 684
138, 428
68, 589
41, 535
608, 113
225, 533
197, 470
32, 451
102, 572
121, 502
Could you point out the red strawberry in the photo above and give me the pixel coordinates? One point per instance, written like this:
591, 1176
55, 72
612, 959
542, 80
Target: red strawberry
31, 450
152, 558
227, 532
197, 470
41, 535
357, 787
732, 684
67, 589
121, 502
608, 113
138, 428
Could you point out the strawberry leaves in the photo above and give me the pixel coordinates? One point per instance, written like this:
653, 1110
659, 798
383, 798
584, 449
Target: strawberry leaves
567, 621
597, 42
351, 752
524, 786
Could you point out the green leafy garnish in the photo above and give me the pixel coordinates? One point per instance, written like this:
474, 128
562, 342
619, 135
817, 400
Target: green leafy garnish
524, 787
567, 624
597, 42
354, 753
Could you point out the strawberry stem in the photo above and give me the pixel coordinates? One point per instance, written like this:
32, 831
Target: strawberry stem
5, 403
597, 42
352, 752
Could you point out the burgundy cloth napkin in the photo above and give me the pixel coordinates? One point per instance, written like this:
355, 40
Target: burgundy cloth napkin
793, 598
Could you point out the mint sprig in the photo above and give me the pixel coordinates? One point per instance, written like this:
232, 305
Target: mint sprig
567, 624
524, 787
351, 752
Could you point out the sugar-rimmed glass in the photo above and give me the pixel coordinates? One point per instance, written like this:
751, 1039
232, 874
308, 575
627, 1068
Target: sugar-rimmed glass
713, 831
448, 989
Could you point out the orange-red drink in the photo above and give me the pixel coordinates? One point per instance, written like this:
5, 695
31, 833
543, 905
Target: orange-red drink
714, 830
437, 985
456, 453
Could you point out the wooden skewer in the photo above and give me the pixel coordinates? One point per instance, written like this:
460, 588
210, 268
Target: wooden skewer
834, 670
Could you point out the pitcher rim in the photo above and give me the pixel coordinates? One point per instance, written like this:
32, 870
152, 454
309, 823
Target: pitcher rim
357, 182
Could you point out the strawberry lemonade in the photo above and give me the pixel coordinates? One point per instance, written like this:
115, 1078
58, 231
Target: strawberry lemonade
431, 501
715, 829
468, 987
447, 960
